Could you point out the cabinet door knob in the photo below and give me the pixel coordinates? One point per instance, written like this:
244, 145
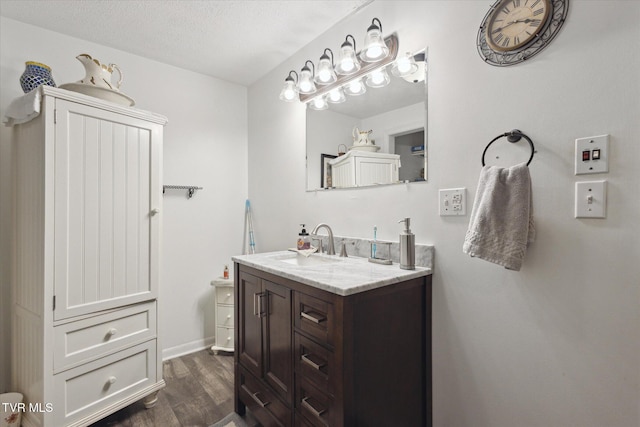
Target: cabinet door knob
155, 211
111, 380
112, 332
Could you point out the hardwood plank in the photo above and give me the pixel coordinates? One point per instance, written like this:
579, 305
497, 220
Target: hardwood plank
199, 392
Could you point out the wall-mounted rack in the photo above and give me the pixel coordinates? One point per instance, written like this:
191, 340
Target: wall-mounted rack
191, 189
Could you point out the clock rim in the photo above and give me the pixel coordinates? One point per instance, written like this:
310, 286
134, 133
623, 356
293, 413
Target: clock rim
492, 15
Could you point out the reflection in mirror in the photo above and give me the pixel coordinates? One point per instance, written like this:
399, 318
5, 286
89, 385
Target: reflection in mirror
342, 153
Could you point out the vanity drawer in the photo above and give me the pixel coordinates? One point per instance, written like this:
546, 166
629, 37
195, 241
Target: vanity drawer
263, 404
224, 295
315, 363
315, 317
83, 340
224, 337
90, 388
224, 315
315, 407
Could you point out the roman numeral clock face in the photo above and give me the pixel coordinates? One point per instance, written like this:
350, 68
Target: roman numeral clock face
515, 23
514, 30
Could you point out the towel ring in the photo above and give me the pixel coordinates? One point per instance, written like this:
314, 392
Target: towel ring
513, 136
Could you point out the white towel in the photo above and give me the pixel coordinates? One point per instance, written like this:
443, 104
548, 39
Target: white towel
501, 223
23, 109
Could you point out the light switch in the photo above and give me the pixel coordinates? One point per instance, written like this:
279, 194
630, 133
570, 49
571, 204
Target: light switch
592, 155
591, 199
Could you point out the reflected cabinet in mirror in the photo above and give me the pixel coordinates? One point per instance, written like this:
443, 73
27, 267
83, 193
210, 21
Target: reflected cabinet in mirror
377, 138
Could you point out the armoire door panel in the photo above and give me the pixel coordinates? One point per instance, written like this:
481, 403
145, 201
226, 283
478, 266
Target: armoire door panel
103, 226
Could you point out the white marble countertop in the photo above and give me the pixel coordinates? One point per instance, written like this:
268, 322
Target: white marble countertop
342, 276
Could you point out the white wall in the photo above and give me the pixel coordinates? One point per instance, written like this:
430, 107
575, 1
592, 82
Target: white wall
558, 343
205, 145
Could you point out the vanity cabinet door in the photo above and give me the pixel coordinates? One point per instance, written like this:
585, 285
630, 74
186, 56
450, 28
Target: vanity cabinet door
277, 339
264, 346
250, 323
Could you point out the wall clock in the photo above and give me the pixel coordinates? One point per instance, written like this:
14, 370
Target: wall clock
513, 31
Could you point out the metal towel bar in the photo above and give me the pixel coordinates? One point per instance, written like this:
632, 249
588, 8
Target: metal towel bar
513, 136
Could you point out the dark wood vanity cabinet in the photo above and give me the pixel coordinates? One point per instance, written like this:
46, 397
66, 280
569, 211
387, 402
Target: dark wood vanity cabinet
308, 357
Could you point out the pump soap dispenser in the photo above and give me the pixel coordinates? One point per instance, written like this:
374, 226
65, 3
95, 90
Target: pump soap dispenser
407, 247
303, 240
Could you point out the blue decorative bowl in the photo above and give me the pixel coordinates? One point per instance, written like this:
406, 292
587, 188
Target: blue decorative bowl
36, 74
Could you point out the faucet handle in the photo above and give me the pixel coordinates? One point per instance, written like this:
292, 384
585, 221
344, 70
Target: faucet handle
343, 250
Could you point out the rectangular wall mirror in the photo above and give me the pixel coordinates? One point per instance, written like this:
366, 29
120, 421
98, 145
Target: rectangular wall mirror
395, 114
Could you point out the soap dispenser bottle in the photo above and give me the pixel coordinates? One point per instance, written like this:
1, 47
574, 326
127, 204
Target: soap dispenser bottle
303, 240
407, 247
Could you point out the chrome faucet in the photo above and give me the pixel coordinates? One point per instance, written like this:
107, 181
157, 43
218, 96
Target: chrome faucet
330, 248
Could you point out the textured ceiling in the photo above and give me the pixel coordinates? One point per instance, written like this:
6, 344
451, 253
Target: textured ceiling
237, 41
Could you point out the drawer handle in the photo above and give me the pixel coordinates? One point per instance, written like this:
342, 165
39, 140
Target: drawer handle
314, 411
254, 396
228, 295
111, 380
314, 319
228, 316
305, 358
155, 211
111, 332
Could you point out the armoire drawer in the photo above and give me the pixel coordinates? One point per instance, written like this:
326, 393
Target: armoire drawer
90, 388
89, 338
224, 295
224, 315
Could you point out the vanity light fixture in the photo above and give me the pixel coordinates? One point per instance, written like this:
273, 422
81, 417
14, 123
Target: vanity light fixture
378, 78
319, 103
306, 84
336, 96
289, 92
344, 81
326, 74
374, 49
348, 63
404, 66
355, 87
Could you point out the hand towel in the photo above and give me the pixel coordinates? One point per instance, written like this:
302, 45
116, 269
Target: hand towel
501, 223
23, 109
304, 252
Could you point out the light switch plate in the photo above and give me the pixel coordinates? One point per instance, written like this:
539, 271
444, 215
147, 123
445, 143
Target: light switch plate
592, 155
591, 199
453, 202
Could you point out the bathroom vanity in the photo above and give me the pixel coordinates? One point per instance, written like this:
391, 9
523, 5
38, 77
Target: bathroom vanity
330, 341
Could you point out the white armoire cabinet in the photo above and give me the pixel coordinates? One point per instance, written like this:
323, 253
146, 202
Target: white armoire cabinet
88, 199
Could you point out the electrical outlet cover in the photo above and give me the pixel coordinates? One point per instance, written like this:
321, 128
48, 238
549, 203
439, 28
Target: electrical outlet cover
452, 202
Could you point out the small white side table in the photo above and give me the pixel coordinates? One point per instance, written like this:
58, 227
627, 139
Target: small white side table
224, 315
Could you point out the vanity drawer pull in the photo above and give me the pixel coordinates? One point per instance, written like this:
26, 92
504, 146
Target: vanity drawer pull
307, 359
314, 411
110, 381
111, 332
254, 396
314, 319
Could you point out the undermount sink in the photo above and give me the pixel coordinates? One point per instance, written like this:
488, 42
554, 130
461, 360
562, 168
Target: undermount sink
304, 261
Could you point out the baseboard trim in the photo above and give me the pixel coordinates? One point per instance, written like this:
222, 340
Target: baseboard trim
187, 348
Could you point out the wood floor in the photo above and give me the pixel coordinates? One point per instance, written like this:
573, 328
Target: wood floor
199, 392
